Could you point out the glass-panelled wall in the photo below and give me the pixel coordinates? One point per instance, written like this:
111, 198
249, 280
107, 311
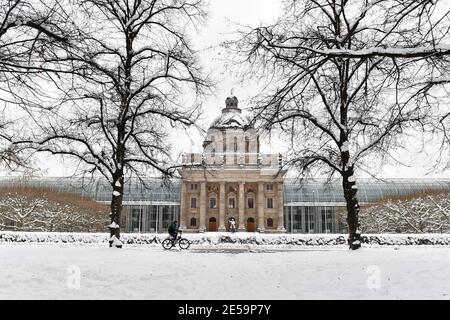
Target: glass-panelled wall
318, 219
327, 220
151, 218
134, 190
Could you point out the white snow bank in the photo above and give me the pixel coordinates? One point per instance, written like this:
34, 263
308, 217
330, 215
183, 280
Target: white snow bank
228, 239
115, 242
144, 272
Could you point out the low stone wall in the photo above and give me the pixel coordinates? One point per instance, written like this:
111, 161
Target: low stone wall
236, 239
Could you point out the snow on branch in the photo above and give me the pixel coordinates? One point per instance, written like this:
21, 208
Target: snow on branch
421, 214
393, 52
28, 209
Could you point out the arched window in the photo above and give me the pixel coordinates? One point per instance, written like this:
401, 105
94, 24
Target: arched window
235, 144
193, 222
269, 223
247, 145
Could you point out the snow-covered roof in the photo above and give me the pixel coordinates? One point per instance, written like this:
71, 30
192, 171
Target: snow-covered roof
230, 120
231, 117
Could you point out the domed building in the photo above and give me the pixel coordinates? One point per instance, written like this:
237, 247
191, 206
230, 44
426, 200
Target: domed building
231, 117
231, 179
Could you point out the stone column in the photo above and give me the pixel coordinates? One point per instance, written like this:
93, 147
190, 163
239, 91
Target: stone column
183, 206
241, 207
202, 207
222, 207
280, 208
261, 207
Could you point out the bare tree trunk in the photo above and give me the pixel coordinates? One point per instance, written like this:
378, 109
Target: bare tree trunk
350, 192
116, 210
350, 188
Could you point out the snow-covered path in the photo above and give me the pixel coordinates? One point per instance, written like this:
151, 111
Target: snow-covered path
43, 271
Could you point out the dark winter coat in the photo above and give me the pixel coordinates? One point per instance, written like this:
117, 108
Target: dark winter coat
172, 228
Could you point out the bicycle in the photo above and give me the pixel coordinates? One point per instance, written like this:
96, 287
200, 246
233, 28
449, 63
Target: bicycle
170, 242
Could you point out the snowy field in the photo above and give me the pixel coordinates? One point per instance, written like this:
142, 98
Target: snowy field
94, 271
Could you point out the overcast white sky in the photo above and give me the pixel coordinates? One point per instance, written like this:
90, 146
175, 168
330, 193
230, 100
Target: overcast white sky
222, 15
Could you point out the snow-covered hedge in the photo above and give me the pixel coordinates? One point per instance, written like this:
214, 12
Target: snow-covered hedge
427, 213
236, 239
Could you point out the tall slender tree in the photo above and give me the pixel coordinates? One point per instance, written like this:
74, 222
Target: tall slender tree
346, 80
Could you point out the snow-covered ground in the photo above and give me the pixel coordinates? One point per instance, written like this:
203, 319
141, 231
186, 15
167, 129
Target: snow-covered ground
94, 271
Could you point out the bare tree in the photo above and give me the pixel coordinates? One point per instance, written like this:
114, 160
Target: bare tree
347, 81
27, 29
9, 158
117, 91
17, 211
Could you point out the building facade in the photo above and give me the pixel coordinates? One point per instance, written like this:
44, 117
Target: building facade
231, 179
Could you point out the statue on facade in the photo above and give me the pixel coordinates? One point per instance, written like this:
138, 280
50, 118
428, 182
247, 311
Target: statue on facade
232, 225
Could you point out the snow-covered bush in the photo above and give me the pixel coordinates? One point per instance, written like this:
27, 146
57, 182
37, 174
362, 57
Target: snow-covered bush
425, 213
228, 240
33, 209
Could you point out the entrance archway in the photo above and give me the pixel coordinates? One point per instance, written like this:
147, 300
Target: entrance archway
251, 227
212, 226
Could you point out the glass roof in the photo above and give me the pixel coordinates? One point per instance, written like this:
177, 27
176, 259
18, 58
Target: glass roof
369, 190
317, 191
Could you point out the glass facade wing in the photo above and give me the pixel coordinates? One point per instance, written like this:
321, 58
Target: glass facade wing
157, 190
152, 190
369, 190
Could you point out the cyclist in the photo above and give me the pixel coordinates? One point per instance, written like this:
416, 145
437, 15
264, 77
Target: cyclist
173, 230
173, 239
